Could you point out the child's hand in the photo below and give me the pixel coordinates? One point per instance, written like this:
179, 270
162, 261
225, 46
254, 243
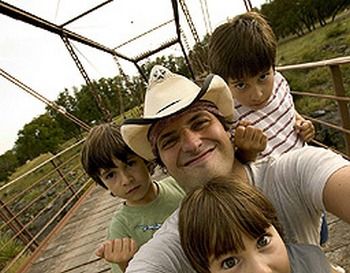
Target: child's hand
249, 140
305, 129
117, 251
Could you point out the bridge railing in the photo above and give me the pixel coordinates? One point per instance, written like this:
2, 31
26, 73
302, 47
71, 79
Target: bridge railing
338, 94
34, 203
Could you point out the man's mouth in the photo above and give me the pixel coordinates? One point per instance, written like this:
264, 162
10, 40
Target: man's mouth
199, 158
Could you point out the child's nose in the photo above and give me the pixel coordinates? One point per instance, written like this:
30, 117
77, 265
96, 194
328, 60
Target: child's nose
259, 265
257, 93
125, 177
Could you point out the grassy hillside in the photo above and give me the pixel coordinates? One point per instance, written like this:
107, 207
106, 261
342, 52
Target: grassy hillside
330, 41
327, 42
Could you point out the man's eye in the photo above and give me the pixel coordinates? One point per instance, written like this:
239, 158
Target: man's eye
263, 241
167, 143
240, 85
200, 124
229, 262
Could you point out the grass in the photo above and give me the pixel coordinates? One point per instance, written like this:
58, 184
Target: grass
9, 250
30, 165
327, 42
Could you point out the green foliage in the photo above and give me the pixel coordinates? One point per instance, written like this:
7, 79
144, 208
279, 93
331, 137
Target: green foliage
30, 165
68, 102
8, 163
39, 136
297, 17
335, 32
9, 250
318, 45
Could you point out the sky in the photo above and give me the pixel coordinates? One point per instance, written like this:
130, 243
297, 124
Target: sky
40, 60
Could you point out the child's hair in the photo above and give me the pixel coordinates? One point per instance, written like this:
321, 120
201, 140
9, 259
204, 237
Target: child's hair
242, 47
214, 216
103, 142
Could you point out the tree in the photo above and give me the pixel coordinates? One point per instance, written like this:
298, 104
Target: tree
8, 163
68, 102
39, 136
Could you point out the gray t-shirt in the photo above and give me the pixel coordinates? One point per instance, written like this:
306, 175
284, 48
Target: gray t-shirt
307, 259
294, 183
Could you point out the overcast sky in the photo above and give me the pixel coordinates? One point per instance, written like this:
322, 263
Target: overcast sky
40, 60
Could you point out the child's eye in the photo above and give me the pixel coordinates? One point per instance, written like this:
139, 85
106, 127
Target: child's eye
264, 76
240, 85
229, 262
263, 241
130, 162
109, 175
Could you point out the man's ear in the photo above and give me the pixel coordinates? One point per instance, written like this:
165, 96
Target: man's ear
231, 135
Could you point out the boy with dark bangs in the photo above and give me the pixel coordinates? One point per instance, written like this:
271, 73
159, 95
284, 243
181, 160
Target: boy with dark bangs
114, 166
235, 230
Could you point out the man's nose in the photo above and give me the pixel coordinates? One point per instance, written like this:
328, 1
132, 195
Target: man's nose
190, 140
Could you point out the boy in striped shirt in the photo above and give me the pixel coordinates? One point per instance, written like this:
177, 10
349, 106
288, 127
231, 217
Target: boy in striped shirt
243, 52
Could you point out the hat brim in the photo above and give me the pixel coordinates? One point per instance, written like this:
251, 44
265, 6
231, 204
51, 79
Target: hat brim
135, 131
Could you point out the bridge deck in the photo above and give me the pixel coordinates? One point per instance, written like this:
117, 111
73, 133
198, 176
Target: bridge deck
72, 249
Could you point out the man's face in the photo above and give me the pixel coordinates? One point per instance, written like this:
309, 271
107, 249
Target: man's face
195, 148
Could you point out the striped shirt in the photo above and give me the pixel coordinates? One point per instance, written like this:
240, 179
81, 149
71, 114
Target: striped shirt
276, 119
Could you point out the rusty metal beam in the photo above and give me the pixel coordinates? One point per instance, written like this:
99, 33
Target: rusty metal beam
160, 48
85, 13
36, 21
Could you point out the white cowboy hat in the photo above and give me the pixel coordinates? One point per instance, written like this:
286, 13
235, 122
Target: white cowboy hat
167, 94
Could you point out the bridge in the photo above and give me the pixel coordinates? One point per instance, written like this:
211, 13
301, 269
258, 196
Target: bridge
52, 217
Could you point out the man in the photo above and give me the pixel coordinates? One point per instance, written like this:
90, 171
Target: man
186, 128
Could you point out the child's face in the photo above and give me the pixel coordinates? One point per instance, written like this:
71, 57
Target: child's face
131, 181
253, 92
266, 254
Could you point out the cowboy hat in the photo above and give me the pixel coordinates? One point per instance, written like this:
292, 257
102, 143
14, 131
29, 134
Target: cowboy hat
167, 94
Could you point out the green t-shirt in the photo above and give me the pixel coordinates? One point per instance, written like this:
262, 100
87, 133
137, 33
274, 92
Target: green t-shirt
139, 223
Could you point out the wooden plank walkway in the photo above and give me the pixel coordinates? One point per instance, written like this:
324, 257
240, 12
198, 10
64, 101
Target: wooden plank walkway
72, 250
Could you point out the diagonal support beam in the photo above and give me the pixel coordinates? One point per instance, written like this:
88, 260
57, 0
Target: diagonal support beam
34, 20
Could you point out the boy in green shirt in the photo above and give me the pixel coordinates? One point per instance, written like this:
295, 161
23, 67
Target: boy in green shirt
113, 165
